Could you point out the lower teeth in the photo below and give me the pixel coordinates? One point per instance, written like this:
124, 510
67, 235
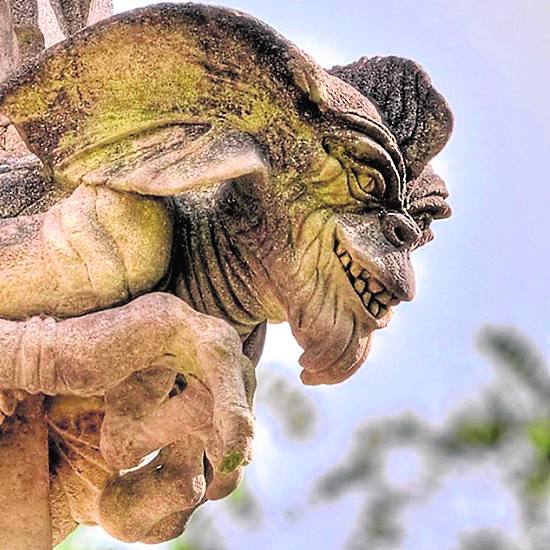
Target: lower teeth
361, 280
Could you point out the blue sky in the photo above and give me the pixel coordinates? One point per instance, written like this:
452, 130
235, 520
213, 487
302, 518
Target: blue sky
489, 263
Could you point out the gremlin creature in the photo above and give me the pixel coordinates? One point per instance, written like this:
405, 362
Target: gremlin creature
200, 176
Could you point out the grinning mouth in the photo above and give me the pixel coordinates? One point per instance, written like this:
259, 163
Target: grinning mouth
376, 298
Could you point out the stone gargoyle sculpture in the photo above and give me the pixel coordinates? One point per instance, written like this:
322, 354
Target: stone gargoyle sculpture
196, 177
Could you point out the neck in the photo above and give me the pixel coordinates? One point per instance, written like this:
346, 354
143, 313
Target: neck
222, 239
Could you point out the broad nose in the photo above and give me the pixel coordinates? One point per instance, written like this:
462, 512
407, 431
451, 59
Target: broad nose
400, 229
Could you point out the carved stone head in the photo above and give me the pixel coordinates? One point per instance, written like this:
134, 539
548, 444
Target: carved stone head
346, 192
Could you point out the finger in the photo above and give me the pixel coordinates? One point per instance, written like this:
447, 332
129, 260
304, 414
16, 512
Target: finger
169, 527
125, 440
223, 485
236, 428
231, 379
173, 482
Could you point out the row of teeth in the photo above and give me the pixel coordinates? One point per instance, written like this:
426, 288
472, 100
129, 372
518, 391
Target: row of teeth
374, 295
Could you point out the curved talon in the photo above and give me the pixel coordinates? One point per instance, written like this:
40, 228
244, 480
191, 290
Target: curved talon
8, 403
223, 485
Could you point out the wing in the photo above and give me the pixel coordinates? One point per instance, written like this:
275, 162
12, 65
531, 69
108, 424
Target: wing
166, 98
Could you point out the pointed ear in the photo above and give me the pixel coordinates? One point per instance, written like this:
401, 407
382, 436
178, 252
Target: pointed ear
415, 112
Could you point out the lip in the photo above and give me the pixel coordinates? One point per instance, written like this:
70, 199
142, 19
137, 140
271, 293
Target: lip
374, 295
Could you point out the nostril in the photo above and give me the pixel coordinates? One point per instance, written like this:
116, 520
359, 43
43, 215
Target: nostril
400, 234
400, 230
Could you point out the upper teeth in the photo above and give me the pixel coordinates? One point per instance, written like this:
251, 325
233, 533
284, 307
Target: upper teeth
374, 295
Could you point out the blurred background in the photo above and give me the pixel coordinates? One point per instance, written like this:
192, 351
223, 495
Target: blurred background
442, 440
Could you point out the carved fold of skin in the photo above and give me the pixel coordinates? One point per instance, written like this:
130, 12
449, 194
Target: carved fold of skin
326, 317
334, 312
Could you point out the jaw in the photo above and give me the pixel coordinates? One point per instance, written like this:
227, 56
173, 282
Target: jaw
335, 305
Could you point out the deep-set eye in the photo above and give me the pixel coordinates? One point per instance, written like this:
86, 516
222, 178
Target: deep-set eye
366, 182
369, 183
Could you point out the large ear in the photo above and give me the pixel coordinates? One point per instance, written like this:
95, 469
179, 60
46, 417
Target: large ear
168, 160
416, 113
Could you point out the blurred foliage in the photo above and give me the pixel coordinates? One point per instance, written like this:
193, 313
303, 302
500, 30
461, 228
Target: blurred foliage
287, 404
507, 424
243, 506
201, 534
486, 539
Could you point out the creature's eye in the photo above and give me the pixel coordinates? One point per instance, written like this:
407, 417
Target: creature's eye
365, 182
347, 162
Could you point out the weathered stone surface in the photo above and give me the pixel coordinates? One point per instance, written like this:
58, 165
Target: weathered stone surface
175, 206
24, 473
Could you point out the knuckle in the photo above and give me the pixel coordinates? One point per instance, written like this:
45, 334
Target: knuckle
170, 304
222, 337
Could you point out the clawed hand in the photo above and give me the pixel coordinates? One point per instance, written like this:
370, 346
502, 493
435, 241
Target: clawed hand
169, 379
